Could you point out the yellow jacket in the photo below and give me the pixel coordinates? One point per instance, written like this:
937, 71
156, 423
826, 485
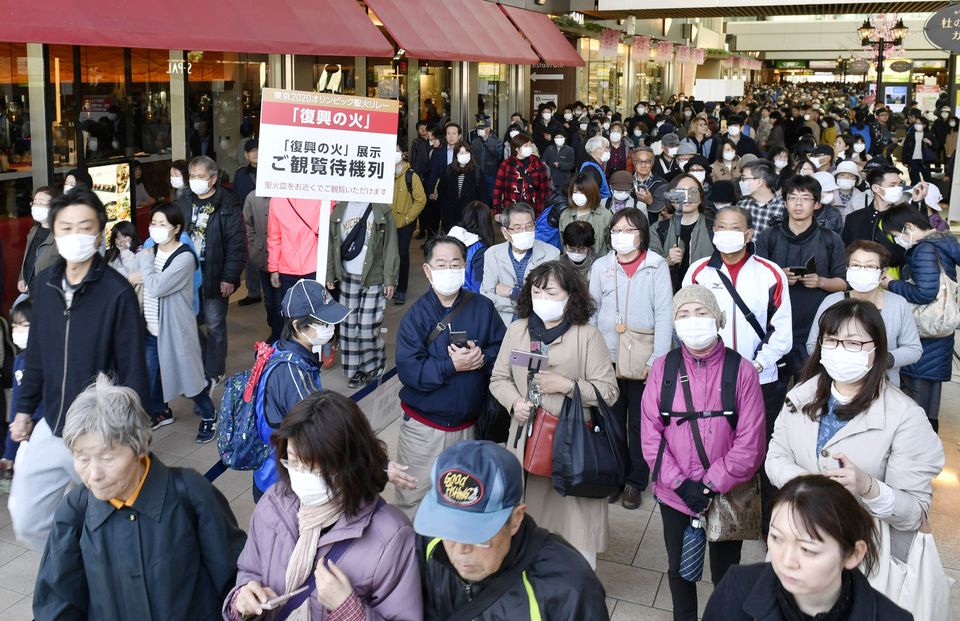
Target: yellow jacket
406, 205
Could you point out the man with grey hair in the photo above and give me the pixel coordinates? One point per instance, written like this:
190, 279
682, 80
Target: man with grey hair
598, 152
648, 188
166, 534
506, 265
215, 222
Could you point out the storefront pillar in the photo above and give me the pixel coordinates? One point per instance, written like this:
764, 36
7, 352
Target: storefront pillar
471, 95
520, 95
413, 96
41, 153
360, 73
178, 109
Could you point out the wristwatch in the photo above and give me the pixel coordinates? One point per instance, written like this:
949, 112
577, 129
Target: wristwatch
758, 366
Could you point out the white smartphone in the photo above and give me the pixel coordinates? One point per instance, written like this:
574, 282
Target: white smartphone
280, 600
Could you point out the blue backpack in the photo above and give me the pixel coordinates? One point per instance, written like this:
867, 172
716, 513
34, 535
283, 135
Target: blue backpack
238, 440
472, 279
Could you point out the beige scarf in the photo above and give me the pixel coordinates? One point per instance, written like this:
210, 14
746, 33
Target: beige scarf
312, 521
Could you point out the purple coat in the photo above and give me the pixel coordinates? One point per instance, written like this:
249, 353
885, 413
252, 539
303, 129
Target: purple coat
381, 562
735, 456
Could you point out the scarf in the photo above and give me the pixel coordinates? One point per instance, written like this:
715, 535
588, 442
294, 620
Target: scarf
839, 612
540, 333
313, 521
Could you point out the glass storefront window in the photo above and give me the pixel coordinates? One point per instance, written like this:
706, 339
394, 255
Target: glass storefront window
435, 81
149, 101
223, 94
493, 93
334, 74
14, 109
601, 81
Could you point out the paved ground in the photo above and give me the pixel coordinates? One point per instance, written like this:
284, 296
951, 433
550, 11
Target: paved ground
632, 570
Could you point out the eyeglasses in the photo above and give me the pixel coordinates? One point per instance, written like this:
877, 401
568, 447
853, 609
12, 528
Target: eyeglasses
627, 231
297, 467
522, 229
644, 162
863, 267
486, 545
742, 178
830, 342
803, 200
454, 265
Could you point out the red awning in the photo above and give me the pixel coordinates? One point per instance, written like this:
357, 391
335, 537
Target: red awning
544, 36
327, 28
465, 30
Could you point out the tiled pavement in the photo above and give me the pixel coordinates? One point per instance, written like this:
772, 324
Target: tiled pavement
632, 569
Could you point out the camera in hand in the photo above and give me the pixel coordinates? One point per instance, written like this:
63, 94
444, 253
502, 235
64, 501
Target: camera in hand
683, 195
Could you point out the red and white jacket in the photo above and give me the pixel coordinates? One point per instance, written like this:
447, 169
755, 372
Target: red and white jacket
763, 287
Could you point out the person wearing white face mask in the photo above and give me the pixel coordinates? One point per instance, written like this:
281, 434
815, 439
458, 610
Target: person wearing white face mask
554, 310
632, 289
291, 368
584, 206
886, 193
758, 183
620, 147
461, 184
847, 422
929, 253
690, 469
560, 158
444, 372
40, 250
409, 199
666, 165
87, 310
522, 178
866, 262
487, 151
848, 198
828, 215
214, 220
326, 527
598, 151
506, 265
174, 360
920, 148
545, 127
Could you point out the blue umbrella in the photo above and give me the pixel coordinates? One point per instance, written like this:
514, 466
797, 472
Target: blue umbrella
694, 550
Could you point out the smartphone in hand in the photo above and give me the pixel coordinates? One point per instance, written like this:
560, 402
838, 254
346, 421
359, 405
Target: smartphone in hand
280, 600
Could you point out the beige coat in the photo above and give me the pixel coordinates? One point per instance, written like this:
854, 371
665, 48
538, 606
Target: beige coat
579, 354
892, 441
720, 172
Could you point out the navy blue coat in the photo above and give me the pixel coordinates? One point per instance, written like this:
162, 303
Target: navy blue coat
923, 269
431, 385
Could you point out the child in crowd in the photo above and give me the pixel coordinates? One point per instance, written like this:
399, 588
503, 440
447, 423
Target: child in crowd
20, 330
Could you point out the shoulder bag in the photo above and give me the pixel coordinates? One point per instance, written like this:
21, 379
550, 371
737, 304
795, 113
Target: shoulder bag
942, 316
352, 244
634, 347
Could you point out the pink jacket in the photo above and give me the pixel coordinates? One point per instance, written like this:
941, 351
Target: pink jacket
735, 456
292, 225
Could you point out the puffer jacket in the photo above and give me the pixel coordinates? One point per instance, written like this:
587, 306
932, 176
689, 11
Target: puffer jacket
923, 271
558, 584
735, 455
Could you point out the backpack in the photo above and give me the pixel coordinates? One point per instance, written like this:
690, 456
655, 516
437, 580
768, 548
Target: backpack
238, 438
408, 177
668, 388
472, 279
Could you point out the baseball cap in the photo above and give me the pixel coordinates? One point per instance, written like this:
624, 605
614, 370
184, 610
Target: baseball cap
933, 197
308, 298
475, 486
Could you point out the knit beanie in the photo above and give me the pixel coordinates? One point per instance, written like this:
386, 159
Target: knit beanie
700, 295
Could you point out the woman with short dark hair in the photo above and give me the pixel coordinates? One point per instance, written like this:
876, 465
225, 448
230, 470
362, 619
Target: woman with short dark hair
461, 184
554, 310
821, 543
324, 525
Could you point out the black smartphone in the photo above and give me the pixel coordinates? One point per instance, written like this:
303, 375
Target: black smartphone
800, 270
458, 339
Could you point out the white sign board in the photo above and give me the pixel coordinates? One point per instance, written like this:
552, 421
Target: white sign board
717, 90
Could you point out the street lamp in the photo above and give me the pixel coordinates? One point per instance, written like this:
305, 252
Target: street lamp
878, 38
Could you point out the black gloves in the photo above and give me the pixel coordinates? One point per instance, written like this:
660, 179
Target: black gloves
695, 494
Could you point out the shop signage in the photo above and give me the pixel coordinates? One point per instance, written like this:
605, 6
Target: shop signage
790, 64
111, 184
943, 29
545, 76
858, 67
901, 65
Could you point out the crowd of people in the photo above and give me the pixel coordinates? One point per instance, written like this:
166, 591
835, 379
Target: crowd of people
746, 290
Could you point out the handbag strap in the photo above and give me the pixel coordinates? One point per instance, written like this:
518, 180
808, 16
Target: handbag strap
310, 228
692, 416
494, 590
440, 328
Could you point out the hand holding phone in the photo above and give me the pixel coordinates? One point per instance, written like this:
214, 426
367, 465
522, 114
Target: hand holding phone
527, 359
280, 600
459, 339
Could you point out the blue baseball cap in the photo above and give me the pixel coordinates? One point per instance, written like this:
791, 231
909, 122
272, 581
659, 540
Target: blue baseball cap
476, 485
309, 298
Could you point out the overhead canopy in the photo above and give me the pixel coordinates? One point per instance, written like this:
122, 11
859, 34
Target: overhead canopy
330, 27
464, 30
544, 36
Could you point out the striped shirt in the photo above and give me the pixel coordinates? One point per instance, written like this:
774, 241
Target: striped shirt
151, 305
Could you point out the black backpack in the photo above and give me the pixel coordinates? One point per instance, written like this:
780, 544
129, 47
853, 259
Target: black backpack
409, 179
668, 388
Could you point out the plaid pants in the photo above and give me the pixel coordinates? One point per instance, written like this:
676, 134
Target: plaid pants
361, 345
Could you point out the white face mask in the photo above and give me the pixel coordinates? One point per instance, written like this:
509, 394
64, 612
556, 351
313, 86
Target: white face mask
547, 116
863, 280
549, 310
780, 164
944, 115
310, 488
606, 126
859, 147
523, 241
322, 333
40, 213
696, 332
846, 184
176, 182
514, 133
688, 113
398, 158
953, 123
463, 158
893, 195
734, 130
159, 234
447, 282
918, 128
605, 157
826, 198
806, 117
583, 127
623, 243
579, 199
93, 144
638, 133
729, 155
615, 136
526, 151
577, 257
568, 116
672, 151
845, 366
699, 175
199, 186
621, 195
641, 109
560, 140
20, 337
729, 242
745, 188
76, 247
67, 187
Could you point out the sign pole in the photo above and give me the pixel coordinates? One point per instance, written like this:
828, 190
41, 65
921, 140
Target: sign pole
323, 240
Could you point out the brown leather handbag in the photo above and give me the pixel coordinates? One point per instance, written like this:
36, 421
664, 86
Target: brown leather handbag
538, 452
